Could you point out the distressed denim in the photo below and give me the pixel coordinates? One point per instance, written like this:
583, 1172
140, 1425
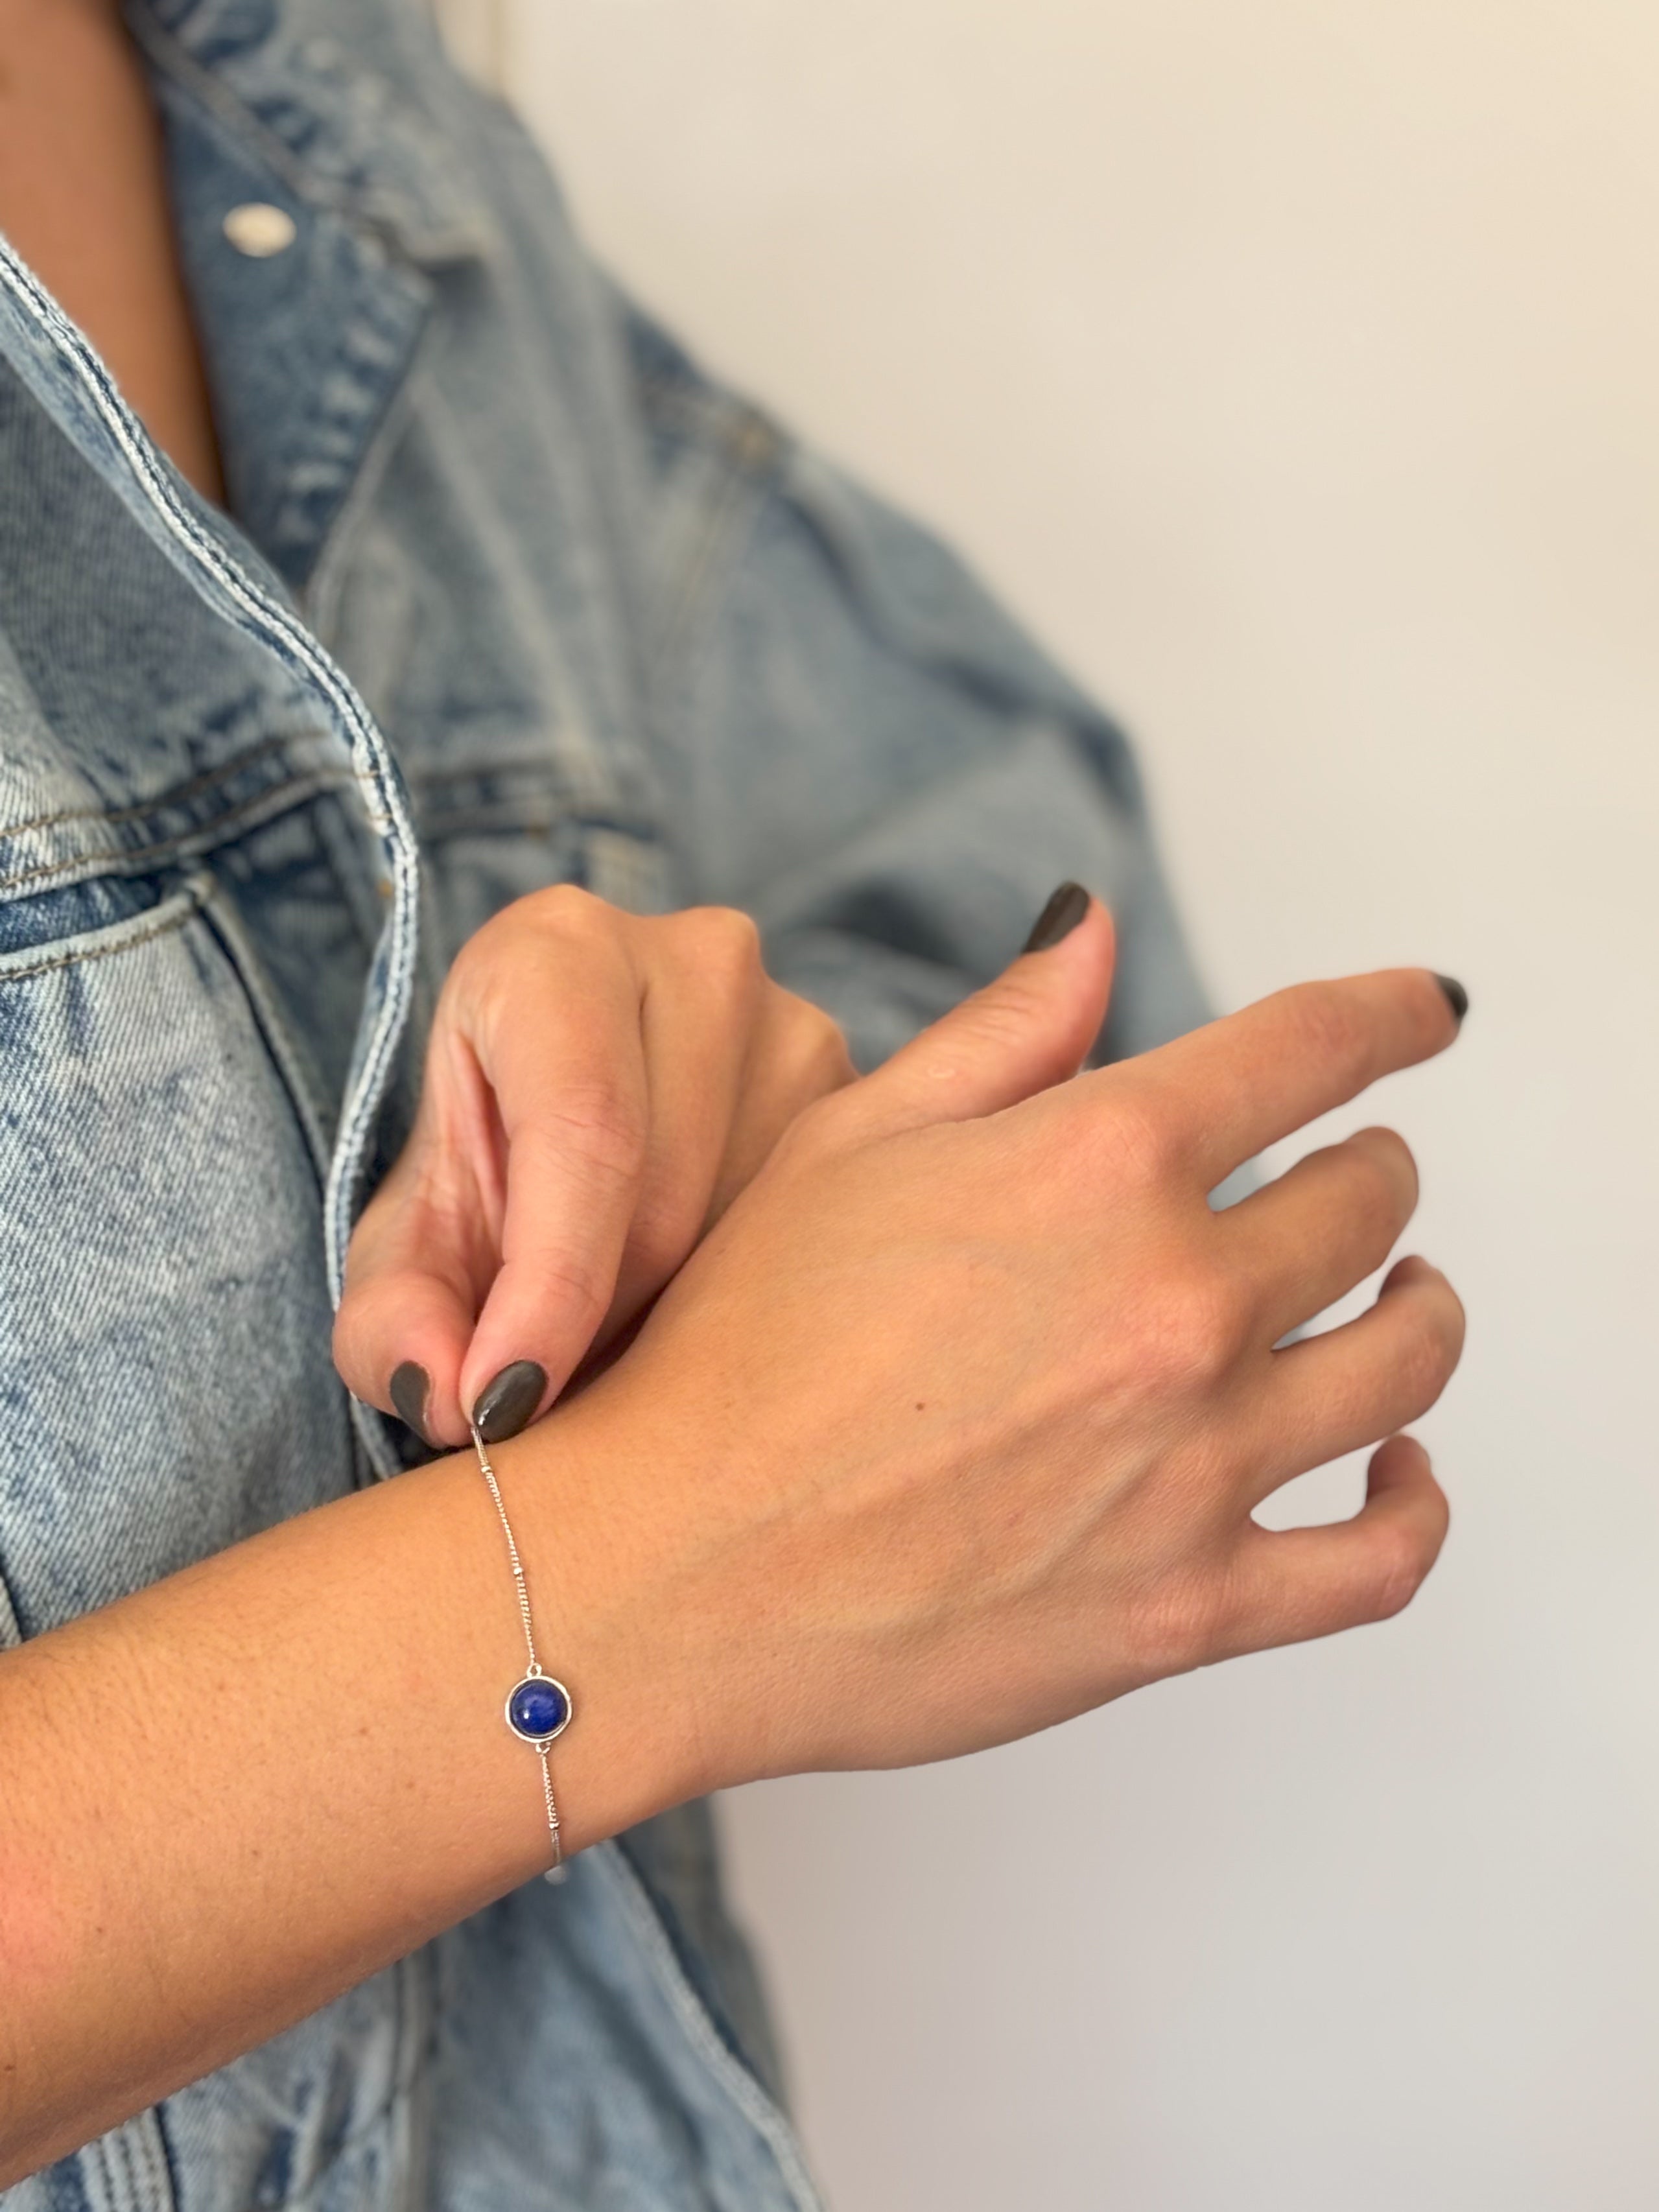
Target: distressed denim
512, 595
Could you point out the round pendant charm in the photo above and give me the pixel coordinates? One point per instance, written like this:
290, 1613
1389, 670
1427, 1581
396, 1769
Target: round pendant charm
538, 1709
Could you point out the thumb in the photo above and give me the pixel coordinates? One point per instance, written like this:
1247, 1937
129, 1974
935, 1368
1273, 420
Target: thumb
1029, 1030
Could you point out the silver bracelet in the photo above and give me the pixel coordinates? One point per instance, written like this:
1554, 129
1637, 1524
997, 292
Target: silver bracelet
538, 1705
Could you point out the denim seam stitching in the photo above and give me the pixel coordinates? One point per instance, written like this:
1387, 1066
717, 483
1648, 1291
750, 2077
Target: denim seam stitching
189, 903
174, 796
748, 439
278, 1038
115, 860
371, 758
319, 594
728, 527
733, 2077
146, 2129
107, 2148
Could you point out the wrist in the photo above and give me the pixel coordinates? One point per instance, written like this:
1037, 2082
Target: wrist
610, 1592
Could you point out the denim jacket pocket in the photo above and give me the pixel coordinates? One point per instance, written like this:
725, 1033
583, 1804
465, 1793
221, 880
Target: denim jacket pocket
165, 1303
30, 951
164, 1363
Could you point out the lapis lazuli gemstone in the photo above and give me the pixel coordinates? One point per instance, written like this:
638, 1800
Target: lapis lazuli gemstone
538, 1708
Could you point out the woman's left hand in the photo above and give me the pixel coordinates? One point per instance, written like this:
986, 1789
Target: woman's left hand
599, 1087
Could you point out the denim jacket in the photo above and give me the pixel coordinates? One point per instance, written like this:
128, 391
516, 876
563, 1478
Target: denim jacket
512, 595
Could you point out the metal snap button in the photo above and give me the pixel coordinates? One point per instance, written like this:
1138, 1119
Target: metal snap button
259, 230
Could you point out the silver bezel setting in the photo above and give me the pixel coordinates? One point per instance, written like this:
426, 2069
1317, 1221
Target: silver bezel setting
552, 1681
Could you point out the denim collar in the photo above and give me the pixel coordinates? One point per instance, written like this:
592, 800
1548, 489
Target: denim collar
307, 358
356, 141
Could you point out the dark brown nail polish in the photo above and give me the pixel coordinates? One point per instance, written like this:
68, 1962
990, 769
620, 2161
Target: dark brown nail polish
411, 1387
1065, 909
1456, 997
505, 1405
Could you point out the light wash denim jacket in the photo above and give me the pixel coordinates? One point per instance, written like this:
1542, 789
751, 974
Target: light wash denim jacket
514, 596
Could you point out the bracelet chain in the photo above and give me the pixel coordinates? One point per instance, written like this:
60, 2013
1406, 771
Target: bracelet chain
533, 1671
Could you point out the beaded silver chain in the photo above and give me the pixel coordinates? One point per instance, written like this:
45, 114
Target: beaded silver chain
538, 1705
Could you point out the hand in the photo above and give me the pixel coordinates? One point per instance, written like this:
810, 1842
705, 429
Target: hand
599, 1088
955, 1424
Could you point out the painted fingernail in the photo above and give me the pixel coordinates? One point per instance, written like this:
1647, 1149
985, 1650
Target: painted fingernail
1456, 997
410, 1387
1065, 909
505, 1405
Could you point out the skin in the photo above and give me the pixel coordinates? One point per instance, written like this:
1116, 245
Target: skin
952, 1425
951, 1428
82, 200
599, 1087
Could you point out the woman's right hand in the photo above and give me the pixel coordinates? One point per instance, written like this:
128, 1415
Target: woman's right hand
954, 1425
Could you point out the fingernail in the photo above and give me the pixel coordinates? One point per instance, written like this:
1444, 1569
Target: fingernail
1456, 997
1065, 909
505, 1405
410, 1387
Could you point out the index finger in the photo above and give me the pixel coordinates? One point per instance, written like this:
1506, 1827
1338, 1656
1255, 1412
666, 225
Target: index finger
567, 1076
1224, 1091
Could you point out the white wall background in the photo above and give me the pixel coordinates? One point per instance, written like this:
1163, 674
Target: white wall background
1292, 365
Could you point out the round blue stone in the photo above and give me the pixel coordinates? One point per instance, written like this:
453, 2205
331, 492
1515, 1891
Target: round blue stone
538, 1708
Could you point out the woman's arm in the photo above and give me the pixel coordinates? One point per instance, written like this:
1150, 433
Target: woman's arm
230, 1797
953, 1428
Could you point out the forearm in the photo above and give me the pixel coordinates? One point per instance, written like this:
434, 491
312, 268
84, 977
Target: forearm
234, 1795
951, 1429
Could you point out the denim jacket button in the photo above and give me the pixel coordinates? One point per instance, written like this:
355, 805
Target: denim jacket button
258, 229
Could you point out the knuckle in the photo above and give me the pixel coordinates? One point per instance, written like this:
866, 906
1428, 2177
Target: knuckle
1327, 1026
1178, 1625
1004, 1016
603, 1125
562, 1283
562, 907
722, 939
1399, 1561
1425, 1360
1134, 1143
369, 1312
1391, 1159
1189, 1334
559, 910
1419, 1369
489, 965
1382, 1180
